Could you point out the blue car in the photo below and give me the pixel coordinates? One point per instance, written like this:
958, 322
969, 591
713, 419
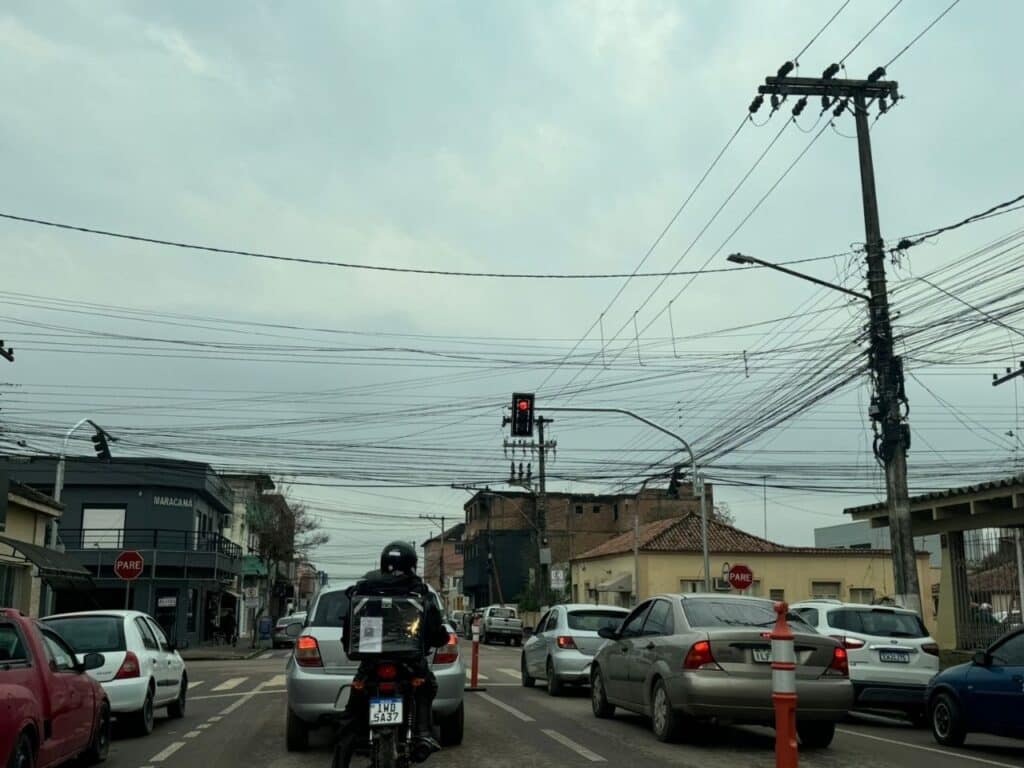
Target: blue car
985, 695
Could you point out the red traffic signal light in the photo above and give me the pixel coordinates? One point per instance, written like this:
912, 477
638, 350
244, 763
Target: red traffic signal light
522, 415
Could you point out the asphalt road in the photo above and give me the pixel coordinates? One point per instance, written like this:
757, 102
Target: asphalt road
235, 717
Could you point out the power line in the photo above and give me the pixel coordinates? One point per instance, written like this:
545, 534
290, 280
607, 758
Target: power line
868, 33
921, 33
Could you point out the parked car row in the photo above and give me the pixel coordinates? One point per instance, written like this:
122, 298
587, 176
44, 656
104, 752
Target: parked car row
281, 637
100, 665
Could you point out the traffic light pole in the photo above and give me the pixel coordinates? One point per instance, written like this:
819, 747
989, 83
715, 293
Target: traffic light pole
698, 481
894, 438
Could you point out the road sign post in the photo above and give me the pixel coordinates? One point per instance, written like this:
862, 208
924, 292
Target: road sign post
784, 690
128, 567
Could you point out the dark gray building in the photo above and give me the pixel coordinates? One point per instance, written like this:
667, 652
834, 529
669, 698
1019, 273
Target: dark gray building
171, 513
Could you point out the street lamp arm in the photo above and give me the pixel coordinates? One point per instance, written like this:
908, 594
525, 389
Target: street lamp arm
742, 258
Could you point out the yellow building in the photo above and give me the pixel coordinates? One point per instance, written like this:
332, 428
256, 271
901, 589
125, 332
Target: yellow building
25, 561
669, 559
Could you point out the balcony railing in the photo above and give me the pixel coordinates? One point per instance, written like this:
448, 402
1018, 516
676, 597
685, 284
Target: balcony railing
159, 539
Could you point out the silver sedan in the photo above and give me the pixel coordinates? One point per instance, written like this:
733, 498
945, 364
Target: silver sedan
564, 644
680, 659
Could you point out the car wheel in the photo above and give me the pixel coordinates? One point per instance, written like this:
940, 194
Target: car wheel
598, 697
99, 747
23, 755
508, 641
453, 727
296, 733
524, 672
947, 722
555, 686
176, 709
517, 641
666, 723
816, 735
143, 719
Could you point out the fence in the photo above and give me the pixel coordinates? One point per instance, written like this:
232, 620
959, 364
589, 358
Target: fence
993, 588
148, 538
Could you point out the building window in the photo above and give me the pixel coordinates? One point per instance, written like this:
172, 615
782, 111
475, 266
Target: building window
777, 594
825, 590
579, 509
459, 549
615, 511
597, 509
9, 586
102, 527
864, 595
193, 609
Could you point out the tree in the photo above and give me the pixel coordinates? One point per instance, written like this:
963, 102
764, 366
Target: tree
722, 513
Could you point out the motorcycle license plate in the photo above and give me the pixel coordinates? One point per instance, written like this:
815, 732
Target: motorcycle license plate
385, 712
762, 655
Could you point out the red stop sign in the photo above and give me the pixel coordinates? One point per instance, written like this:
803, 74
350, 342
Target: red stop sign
741, 577
128, 565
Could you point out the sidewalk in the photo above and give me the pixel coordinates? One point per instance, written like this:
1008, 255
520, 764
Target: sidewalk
211, 652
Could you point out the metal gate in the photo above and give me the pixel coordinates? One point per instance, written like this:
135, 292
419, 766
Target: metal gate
994, 587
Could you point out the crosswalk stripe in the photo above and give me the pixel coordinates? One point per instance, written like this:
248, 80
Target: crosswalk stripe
510, 672
469, 675
195, 684
274, 682
230, 684
267, 655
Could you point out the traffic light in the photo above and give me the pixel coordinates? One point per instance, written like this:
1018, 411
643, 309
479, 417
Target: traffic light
522, 415
99, 442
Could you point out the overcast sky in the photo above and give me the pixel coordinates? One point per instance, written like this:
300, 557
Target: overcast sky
554, 137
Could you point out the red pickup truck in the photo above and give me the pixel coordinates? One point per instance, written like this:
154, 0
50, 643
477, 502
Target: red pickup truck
50, 709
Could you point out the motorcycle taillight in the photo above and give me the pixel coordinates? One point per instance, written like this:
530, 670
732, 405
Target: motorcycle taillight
387, 671
386, 687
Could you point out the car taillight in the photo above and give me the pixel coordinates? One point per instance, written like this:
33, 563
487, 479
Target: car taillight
932, 649
387, 671
566, 642
850, 643
129, 667
307, 652
699, 657
840, 666
449, 653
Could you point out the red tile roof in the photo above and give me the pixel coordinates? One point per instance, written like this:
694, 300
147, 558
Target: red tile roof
683, 534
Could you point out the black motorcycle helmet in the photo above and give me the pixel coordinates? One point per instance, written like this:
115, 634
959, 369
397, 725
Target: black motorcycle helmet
398, 557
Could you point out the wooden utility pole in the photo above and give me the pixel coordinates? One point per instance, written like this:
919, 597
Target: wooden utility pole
892, 432
543, 582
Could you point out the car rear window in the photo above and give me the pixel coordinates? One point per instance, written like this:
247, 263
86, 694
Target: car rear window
331, 610
709, 613
877, 621
90, 634
593, 621
503, 613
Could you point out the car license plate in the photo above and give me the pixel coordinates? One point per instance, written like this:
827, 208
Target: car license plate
762, 655
384, 712
894, 657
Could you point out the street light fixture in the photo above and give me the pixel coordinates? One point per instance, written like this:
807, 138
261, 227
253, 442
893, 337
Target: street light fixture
742, 258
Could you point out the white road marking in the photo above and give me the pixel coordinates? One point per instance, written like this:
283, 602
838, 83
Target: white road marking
203, 726
502, 705
192, 734
947, 753
469, 675
242, 700
195, 684
214, 719
159, 757
274, 682
267, 655
510, 672
579, 749
237, 694
230, 684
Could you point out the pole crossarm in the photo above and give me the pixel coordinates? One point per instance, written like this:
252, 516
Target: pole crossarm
814, 86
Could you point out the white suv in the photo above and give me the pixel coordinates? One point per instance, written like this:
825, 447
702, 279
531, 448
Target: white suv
892, 657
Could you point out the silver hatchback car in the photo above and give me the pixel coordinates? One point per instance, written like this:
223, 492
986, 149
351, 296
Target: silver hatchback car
564, 644
319, 676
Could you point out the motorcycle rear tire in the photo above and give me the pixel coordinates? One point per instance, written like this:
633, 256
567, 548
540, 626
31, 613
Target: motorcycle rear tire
386, 748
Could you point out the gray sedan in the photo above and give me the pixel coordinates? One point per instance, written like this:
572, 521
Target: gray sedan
682, 658
564, 643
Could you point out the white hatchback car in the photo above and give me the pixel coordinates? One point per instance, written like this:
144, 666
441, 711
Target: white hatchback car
892, 657
142, 670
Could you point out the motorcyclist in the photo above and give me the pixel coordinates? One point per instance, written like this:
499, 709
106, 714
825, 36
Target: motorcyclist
397, 576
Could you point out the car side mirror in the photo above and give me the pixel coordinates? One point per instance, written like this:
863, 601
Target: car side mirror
608, 633
93, 661
294, 629
982, 659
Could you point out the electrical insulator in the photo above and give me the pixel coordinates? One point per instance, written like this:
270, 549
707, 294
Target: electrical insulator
786, 68
775, 102
883, 105
830, 71
756, 104
840, 108
876, 75
826, 102
799, 107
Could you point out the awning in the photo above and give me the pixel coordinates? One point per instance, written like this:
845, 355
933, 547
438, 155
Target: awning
57, 569
253, 566
623, 582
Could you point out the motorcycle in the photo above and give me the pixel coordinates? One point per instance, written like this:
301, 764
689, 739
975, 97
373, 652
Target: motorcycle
391, 714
